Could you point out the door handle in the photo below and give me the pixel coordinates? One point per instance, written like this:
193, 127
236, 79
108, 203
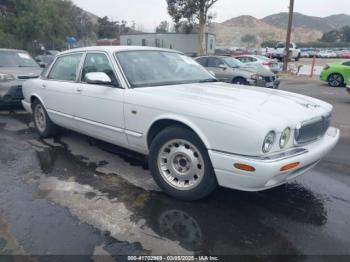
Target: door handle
79, 89
43, 86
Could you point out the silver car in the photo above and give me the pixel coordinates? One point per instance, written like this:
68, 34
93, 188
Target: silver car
16, 66
260, 61
230, 70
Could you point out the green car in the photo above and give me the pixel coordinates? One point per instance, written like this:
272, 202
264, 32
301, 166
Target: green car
336, 74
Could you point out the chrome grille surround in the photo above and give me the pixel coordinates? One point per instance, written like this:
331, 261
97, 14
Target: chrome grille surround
312, 130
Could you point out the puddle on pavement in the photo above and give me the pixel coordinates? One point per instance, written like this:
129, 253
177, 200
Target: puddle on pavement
227, 222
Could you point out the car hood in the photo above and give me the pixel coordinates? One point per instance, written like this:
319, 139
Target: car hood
30, 72
267, 106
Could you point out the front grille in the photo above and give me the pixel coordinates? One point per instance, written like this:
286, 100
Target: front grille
313, 130
27, 77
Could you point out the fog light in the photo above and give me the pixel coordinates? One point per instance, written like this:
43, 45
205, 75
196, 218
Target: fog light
290, 166
244, 167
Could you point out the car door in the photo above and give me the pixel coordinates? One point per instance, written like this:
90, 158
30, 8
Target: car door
222, 71
98, 108
59, 87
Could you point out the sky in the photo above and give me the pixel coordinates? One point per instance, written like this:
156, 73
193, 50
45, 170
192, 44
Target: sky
148, 13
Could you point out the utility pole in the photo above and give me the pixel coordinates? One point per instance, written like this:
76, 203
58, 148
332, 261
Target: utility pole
289, 33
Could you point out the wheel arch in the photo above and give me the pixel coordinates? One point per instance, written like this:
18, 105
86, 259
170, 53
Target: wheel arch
163, 122
34, 97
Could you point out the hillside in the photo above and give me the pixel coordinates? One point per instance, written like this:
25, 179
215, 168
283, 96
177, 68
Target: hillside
323, 24
230, 32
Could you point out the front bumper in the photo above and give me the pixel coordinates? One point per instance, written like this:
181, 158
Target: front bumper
268, 172
11, 92
348, 88
269, 84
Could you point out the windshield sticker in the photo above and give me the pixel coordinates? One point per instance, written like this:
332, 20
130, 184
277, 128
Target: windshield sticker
24, 55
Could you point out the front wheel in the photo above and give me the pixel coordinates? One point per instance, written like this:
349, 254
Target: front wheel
239, 81
336, 80
180, 164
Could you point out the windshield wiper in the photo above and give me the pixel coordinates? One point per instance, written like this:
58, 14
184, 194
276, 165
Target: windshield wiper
209, 80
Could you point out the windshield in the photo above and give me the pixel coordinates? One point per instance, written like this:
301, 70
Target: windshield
233, 62
16, 59
159, 68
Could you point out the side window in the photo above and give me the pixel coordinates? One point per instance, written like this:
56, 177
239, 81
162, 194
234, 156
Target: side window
129, 42
203, 61
65, 68
346, 63
144, 42
98, 63
243, 59
214, 62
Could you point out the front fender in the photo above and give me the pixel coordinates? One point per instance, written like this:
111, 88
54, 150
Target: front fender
185, 121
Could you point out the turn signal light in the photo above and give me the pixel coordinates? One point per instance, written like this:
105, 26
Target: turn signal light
244, 167
290, 166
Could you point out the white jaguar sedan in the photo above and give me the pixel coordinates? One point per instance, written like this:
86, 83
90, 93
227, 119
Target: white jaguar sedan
197, 132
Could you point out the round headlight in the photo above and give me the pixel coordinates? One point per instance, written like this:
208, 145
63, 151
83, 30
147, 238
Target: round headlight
268, 142
285, 137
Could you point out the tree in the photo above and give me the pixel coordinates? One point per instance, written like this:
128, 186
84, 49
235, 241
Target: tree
346, 33
163, 27
194, 11
250, 40
331, 36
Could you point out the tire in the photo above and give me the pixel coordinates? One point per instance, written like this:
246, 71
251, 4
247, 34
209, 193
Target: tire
239, 81
336, 80
42, 122
180, 164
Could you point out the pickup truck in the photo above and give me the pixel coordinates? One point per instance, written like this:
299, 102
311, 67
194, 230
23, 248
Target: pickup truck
280, 50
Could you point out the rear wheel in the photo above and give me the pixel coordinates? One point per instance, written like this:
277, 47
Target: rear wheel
180, 164
336, 80
43, 124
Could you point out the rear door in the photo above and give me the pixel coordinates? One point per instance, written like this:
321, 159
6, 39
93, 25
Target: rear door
59, 87
99, 109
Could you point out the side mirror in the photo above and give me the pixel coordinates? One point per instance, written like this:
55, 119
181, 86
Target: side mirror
98, 78
223, 67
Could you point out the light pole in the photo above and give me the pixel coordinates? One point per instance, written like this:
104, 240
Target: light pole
289, 33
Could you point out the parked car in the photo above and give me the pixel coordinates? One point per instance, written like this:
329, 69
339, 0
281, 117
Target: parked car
197, 132
327, 54
16, 66
280, 51
260, 61
230, 70
336, 74
44, 60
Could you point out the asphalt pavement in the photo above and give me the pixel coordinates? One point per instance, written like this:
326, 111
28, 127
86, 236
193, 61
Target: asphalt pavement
73, 195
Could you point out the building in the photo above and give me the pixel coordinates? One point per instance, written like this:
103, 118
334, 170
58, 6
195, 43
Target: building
104, 42
186, 43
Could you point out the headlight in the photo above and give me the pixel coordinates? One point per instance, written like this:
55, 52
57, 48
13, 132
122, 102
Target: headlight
268, 142
256, 77
6, 77
285, 137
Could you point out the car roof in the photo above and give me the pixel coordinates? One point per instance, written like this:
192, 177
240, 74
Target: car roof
112, 49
